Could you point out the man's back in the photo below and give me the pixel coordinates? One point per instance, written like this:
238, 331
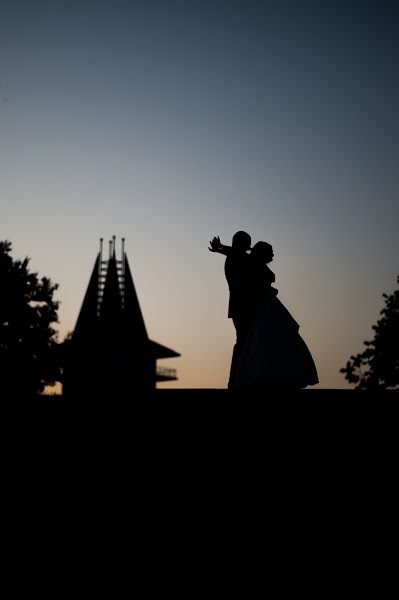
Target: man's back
237, 269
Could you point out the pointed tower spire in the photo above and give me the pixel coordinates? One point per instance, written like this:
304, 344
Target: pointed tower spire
135, 326
86, 325
111, 305
110, 352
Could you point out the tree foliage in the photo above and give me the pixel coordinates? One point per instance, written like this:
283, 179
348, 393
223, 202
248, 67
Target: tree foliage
378, 366
29, 357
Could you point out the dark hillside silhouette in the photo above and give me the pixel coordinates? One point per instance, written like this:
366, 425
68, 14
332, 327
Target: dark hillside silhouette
29, 353
378, 366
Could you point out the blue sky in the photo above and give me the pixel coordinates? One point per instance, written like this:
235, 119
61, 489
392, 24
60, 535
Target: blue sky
169, 122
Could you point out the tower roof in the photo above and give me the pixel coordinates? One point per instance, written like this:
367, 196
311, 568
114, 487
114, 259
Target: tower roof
134, 320
87, 324
111, 313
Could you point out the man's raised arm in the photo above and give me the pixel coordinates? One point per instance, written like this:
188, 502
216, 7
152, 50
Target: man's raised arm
217, 246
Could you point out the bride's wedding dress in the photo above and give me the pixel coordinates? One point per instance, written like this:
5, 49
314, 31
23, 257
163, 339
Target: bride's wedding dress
274, 353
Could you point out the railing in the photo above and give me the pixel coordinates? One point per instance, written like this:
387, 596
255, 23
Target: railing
165, 373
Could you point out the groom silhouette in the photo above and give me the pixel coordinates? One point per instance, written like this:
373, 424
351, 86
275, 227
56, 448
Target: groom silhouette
237, 269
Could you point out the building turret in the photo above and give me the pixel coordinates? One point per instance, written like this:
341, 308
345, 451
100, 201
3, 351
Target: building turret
110, 352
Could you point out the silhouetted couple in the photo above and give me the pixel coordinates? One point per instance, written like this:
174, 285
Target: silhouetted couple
269, 352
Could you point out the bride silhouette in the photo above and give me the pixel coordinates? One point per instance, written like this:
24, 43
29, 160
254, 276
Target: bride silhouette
273, 354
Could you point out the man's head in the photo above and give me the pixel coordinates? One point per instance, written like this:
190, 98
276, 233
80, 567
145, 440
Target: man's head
241, 241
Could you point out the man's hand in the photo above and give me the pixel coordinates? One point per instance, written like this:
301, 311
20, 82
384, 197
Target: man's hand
215, 244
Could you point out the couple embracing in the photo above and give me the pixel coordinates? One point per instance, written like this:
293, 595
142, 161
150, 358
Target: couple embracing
269, 352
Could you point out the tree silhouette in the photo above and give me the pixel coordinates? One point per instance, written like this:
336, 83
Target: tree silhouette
29, 353
378, 366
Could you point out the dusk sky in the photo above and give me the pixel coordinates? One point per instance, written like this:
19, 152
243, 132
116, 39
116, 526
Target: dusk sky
169, 122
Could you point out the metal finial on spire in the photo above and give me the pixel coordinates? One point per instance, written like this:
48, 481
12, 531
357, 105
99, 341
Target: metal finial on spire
110, 248
113, 244
123, 248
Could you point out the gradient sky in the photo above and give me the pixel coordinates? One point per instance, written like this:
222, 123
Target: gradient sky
170, 122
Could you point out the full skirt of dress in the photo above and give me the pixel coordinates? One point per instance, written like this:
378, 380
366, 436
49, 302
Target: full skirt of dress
274, 352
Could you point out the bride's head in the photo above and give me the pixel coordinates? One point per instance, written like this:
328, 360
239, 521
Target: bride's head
262, 251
